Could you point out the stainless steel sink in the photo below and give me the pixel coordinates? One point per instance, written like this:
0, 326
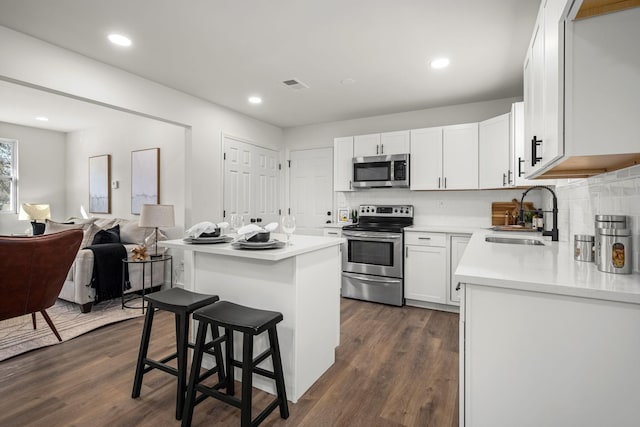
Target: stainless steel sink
514, 240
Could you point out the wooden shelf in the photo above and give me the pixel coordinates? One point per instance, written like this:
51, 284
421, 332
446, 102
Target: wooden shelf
590, 8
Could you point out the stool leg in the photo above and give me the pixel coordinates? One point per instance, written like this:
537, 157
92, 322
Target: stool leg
231, 385
142, 353
247, 375
277, 370
182, 334
189, 403
217, 349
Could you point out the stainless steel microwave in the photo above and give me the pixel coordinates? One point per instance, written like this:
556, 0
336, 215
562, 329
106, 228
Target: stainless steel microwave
381, 171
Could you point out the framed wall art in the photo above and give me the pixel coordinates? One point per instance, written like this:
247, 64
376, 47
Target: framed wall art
145, 178
99, 189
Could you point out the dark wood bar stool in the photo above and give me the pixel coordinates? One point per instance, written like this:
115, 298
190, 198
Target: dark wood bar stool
250, 322
182, 303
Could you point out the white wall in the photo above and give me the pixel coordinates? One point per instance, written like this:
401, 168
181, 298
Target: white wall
321, 135
130, 133
73, 74
614, 193
41, 172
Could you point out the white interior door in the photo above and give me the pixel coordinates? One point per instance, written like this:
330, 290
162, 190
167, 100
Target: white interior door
250, 181
311, 186
266, 191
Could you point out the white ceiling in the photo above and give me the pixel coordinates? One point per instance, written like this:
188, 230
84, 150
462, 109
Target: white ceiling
21, 105
225, 51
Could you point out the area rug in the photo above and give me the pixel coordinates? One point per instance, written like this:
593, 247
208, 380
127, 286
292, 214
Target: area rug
17, 335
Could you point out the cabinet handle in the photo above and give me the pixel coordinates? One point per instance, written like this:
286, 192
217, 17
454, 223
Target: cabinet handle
350, 185
535, 143
520, 162
509, 175
504, 179
424, 238
377, 148
381, 148
439, 181
406, 252
332, 232
458, 287
445, 182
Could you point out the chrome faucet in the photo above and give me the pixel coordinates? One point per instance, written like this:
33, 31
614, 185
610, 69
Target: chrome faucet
554, 230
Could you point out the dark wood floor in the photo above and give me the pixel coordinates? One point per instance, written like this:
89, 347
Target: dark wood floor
394, 367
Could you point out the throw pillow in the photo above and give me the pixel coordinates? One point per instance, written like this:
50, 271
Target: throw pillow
89, 230
56, 227
111, 235
131, 232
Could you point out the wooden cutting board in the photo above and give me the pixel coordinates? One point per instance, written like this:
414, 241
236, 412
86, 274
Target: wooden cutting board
498, 210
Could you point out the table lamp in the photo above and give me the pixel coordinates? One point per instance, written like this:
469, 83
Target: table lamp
34, 212
157, 216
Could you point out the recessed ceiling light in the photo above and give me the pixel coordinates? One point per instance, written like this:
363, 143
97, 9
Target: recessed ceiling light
42, 119
440, 63
119, 39
347, 81
255, 100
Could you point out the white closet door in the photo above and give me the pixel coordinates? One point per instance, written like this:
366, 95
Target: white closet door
311, 183
238, 177
250, 181
266, 177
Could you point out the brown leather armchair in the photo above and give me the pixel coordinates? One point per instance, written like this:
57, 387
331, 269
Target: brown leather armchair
32, 272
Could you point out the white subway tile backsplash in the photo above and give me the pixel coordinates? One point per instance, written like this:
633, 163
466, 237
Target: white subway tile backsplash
616, 193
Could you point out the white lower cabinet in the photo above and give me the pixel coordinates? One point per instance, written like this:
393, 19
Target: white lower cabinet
540, 359
425, 273
430, 260
458, 244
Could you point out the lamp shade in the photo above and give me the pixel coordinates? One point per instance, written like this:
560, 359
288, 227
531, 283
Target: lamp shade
157, 216
34, 211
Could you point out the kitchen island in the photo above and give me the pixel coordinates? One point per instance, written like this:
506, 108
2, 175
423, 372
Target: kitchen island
302, 281
545, 340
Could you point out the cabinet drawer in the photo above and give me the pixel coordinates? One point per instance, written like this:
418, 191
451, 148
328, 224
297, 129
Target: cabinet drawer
332, 232
425, 239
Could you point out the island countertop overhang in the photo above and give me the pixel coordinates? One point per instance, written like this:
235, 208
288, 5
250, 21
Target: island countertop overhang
300, 245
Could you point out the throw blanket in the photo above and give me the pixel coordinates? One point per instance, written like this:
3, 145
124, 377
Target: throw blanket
107, 270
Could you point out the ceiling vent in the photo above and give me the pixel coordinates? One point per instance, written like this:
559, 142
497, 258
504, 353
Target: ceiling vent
295, 84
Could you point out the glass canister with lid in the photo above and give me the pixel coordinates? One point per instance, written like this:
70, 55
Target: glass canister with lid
603, 222
614, 251
584, 248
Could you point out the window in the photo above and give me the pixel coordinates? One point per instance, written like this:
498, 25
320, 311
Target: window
8, 175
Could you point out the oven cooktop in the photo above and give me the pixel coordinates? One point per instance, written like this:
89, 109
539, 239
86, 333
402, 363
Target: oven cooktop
383, 218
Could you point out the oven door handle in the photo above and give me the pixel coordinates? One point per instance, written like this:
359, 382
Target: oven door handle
370, 279
376, 236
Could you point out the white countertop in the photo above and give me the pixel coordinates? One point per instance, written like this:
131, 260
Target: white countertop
299, 245
457, 229
549, 269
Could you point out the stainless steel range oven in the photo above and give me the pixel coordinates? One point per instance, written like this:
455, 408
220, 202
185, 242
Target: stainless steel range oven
372, 255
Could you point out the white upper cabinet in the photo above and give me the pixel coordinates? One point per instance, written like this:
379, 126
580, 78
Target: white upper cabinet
342, 163
381, 143
445, 158
460, 157
542, 89
494, 152
426, 159
520, 167
366, 145
394, 142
